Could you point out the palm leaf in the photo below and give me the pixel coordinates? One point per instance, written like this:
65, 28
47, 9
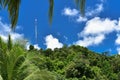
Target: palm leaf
9, 44
13, 9
82, 6
81, 3
1, 3
51, 7
16, 64
77, 2
1, 78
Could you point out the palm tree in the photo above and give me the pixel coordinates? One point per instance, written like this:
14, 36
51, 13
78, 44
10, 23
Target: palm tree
14, 5
16, 64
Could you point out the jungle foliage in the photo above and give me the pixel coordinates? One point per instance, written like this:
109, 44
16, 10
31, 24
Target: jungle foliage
67, 63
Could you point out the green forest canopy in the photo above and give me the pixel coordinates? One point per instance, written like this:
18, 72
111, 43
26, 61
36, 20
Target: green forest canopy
67, 63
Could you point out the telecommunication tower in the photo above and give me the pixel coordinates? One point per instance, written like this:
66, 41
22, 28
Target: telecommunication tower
36, 33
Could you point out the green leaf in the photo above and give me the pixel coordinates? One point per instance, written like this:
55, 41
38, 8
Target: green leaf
9, 43
82, 6
51, 8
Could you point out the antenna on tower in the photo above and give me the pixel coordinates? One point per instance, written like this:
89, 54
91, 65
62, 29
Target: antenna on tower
36, 33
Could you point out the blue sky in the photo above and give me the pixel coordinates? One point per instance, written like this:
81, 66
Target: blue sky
99, 29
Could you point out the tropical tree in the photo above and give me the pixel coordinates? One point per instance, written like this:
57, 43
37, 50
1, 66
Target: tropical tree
14, 5
16, 64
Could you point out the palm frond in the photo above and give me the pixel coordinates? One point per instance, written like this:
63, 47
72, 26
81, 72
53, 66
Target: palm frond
82, 7
9, 44
81, 3
13, 9
77, 2
16, 64
41, 75
5, 3
1, 3
1, 77
51, 7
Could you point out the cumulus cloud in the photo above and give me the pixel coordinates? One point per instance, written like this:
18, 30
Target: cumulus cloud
90, 12
88, 41
118, 28
5, 30
99, 25
70, 12
117, 41
36, 46
75, 14
81, 19
52, 42
118, 49
95, 31
98, 9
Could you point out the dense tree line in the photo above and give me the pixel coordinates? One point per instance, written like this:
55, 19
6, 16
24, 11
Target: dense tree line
67, 63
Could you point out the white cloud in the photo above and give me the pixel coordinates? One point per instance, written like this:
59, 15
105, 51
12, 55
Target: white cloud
90, 12
119, 22
118, 49
99, 26
27, 46
5, 31
118, 28
36, 46
95, 31
99, 8
74, 13
70, 12
90, 41
81, 19
117, 41
16, 36
52, 42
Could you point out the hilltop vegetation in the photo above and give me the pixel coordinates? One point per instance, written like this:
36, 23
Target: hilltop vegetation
67, 63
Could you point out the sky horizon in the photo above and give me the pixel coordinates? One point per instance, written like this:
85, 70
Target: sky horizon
98, 30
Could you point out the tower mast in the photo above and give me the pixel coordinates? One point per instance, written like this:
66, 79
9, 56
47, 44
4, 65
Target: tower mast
36, 33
